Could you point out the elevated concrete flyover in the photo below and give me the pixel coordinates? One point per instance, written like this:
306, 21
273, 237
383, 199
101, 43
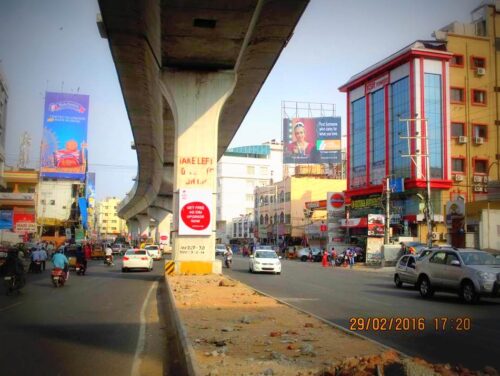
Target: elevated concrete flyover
189, 72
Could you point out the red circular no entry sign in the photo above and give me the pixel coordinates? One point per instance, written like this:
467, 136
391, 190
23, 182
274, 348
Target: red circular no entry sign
337, 200
196, 215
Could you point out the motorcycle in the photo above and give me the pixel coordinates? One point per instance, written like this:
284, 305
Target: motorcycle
108, 261
13, 283
58, 277
80, 268
36, 266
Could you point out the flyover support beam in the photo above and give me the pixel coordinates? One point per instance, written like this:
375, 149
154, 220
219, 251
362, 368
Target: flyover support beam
144, 222
196, 100
163, 220
133, 229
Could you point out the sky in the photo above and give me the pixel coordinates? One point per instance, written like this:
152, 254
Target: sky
54, 45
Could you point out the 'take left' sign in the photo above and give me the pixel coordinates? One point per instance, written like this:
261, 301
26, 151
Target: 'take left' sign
195, 211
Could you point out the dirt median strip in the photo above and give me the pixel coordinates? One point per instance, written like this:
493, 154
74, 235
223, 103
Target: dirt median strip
230, 329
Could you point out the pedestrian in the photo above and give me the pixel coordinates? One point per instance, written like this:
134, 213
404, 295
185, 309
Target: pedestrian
310, 256
324, 261
351, 258
42, 255
346, 257
333, 256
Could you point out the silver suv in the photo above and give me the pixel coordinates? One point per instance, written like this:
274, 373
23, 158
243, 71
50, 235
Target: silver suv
469, 272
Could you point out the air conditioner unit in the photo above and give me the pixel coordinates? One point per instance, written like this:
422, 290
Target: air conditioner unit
462, 139
443, 236
435, 236
485, 179
480, 71
477, 179
459, 177
478, 188
478, 140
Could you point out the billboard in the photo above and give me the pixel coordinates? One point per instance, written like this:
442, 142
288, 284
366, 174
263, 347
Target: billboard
195, 211
64, 142
312, 140
376, 225
90, 189
24, 223
6, 220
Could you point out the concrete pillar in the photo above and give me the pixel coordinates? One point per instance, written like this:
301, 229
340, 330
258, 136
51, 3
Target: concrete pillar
144, 222
133, 228
196, 100
163, 220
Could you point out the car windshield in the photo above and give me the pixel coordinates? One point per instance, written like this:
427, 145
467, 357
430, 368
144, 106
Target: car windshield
268, 247
479, 258
135, 252
151, 247
266, 254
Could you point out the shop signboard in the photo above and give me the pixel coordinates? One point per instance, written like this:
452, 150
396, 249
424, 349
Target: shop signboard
24, 223
6, 220
312, 140
195, 211
64, 141
455, 210
335, 212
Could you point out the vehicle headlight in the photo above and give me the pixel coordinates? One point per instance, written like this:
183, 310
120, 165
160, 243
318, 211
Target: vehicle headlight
486, 276
257, 262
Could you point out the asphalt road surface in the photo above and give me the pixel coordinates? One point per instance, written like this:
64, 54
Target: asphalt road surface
341, 294
91, 326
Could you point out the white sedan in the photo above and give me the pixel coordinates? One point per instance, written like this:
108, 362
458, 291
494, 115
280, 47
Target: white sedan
137, 259
264, 260
154, 251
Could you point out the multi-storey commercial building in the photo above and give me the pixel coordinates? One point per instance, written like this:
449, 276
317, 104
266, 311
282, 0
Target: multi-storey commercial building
239, 171
18, 200
410, 84
474, 112
279, 207
107, 220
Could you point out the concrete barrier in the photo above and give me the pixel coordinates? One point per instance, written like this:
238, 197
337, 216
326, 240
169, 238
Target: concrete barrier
180, 352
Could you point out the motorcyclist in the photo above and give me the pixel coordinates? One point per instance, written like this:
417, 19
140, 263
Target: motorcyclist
59, 260
14, 266
109, 254
80, 257
228, 256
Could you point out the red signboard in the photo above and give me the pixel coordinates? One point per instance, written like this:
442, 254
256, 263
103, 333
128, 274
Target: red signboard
196, 215
24, 222
337, 200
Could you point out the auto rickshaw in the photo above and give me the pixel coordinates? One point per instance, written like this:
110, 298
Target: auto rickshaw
97, 252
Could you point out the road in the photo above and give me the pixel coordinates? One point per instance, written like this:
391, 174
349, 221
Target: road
91, 326
340, 294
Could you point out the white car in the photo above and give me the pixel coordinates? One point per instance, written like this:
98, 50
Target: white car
154, 251
264, 260
137, 259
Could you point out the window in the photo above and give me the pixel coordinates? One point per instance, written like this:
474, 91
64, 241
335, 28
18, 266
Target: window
261, 219
479, 130
480, 166
433, 106
250, 170
411, 262
275, 218
479, 97
52, 202
249, 198
458, 164
104, 221
438, 258
264, 170
266, 219
287, 218
457, 61
477, 62
377, 135
282, 217
457, 95
358, 143
400, 109
451, 257
457, 129
403, 261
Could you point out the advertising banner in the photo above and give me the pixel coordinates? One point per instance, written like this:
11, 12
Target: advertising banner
90, 189
335, 206
24, 222
64, 142
312, 140
6, 221
376, 225
195, 211
82, 204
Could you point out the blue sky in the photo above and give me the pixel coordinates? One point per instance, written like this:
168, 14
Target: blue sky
54, 45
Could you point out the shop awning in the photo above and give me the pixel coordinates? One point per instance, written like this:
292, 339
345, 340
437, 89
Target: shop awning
354, 222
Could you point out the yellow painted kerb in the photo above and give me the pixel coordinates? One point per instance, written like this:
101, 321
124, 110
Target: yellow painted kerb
195, 267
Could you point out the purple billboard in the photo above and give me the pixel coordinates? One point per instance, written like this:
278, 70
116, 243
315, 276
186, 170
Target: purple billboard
64, 141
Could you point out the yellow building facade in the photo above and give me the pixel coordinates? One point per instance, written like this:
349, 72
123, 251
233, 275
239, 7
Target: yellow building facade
279, 208
109, 225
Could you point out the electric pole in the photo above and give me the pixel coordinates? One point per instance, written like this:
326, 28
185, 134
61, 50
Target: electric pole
387, 211
414, 158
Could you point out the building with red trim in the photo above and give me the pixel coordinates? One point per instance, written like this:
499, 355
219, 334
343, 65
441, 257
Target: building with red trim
413, 83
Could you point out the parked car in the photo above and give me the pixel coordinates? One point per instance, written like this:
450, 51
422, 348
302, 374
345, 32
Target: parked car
137, 259
359, 256
406, 271
469, 272
220, 249
154, 251
303, 254
118, 249
264, 260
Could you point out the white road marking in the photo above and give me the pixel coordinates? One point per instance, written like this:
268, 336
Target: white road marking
9, 307
298, 299
141, 340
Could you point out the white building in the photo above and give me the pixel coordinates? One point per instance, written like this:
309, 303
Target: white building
239, 171
3, 125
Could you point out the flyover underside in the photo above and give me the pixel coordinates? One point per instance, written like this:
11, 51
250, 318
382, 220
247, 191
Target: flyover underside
150, 37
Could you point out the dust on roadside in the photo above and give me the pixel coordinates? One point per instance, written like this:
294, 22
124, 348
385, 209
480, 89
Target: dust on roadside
236, 331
